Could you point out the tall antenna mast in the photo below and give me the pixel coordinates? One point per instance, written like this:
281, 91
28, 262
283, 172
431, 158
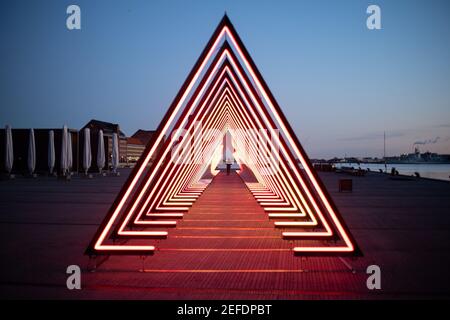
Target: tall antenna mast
384, 151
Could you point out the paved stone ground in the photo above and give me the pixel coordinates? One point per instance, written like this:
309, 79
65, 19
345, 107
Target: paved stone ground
403, 226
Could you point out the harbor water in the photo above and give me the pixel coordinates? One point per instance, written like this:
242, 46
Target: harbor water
434, 171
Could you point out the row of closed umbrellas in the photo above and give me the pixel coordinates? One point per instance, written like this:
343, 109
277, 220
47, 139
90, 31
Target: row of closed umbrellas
66, 151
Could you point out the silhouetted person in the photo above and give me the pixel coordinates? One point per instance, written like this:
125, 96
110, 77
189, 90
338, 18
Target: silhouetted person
228, 167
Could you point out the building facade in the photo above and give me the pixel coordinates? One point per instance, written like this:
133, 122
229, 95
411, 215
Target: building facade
138, 142
108, 130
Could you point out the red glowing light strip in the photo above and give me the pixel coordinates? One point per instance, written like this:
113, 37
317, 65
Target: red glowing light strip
260, 126
182, 175
192, 172
186, 169
256, 171
159, 164
319, 212
269, 140
309, 233
138, 217
164, 155
256, 161
305, 164
99, 243
277, 185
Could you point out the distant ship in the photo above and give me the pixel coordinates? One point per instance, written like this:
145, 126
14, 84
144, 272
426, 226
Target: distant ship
417, 157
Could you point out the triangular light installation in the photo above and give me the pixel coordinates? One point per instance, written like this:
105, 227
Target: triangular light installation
223, 94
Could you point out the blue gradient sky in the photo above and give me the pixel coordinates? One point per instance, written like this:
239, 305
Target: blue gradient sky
340, 84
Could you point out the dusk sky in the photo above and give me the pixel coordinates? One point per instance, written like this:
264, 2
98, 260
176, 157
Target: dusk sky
340, 84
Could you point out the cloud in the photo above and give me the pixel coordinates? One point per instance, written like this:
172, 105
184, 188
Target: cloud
428, 141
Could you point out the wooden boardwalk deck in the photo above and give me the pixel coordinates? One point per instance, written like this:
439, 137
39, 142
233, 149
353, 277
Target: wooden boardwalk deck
225, 247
